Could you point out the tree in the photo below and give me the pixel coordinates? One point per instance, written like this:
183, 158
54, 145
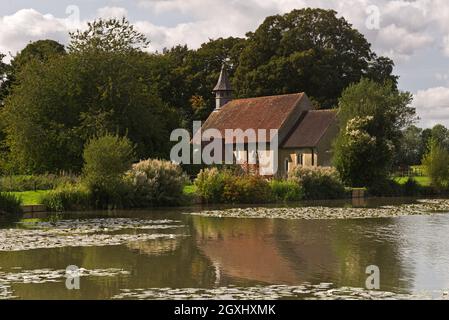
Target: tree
106, 160
185, 78
3, 78
60, 104
371, 116
441, 134
112, 35
41, 51
436, 163
310, 50
411, 148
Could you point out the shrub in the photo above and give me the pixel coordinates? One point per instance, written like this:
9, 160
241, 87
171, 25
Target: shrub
246, 189
34, 182
156, 182
412, 188
386, 188
230, 186
210, 184
106, 160
286, 190
10, 206
319, 182
68, 197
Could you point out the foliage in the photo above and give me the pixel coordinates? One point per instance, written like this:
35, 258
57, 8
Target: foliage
210, 184
362, 159
106, 160
68, 197
57, 106
286, 190
246, 189
10, 206
34, 182
318, 182
156, 182
441, 135
39, 51
411, 148
372, 116
4, 68
386, 188
311, 50
227, 186
111, 35
436, 163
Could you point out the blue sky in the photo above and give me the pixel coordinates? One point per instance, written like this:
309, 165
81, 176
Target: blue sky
413, 33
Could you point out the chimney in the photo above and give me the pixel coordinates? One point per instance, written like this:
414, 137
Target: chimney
223, 90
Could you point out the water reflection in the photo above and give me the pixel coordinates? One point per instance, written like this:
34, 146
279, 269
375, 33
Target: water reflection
411, 252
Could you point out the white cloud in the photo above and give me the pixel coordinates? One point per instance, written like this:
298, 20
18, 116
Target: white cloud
432, 106
29, 25
112, 12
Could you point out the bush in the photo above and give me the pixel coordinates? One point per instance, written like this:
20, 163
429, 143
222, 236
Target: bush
106, 160
318, 182
10, 206
210, 184
246, 189
68, 197
412, 188
386, 188
229, 186
286, 190
20, 183
156, 182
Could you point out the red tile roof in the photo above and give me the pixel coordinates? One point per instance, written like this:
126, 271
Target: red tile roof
309, 131
254, 113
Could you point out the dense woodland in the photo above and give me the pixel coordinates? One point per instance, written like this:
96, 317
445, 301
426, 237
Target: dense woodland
54, 98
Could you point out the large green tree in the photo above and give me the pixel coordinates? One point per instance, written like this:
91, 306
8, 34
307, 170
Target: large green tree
41, 51
185, 78
310, 50
411, 148
60, 104
371, 116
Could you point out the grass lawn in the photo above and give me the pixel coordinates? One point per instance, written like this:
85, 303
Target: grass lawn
31, 197
422, 181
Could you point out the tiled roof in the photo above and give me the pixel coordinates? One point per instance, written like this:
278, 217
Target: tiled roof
309, 131
254, 113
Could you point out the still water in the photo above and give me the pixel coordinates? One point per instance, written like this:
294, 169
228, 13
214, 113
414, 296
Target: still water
168, 254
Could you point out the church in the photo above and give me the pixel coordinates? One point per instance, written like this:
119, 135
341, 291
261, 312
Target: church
304, 135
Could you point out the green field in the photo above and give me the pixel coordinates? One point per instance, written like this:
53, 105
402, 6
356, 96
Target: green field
31, 197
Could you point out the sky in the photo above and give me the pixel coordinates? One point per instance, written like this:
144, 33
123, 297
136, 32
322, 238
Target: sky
415, 34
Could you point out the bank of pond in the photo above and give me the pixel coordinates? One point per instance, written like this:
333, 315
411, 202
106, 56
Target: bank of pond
157, 183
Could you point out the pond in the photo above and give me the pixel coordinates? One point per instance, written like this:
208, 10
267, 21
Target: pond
168, 254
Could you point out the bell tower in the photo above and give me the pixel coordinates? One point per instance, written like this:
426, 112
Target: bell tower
223, 89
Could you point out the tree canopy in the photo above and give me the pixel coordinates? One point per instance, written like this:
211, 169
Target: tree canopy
309, 50
58, 105
111, 35
372, 116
